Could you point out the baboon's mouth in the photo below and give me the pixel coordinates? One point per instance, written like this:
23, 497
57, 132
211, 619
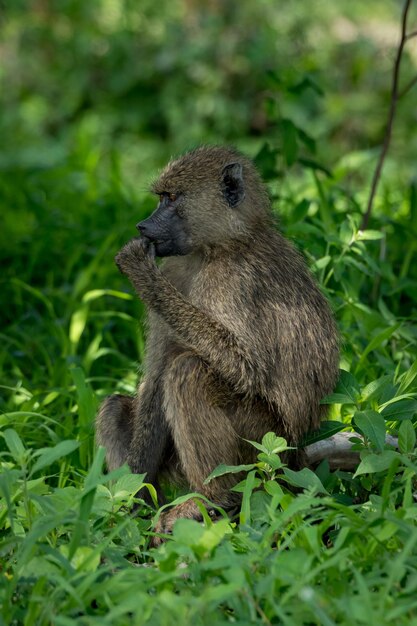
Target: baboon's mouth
152, 240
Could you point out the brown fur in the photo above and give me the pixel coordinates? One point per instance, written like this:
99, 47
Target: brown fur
241, 340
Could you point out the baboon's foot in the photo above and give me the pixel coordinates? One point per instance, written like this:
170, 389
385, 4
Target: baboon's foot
187, 510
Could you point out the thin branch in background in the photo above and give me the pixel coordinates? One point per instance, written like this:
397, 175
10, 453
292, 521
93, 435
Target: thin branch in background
407, 87
391, 115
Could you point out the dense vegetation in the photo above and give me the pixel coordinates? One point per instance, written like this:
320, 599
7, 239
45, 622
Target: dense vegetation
95, 97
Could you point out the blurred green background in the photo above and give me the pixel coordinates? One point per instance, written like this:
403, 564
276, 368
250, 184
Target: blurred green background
96, 95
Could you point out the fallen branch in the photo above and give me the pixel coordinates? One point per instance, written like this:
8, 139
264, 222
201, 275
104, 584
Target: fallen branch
338, 451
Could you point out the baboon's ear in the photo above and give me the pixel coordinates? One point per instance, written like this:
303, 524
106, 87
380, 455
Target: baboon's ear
233, 187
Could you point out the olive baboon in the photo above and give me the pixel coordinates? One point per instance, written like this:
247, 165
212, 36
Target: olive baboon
241, 341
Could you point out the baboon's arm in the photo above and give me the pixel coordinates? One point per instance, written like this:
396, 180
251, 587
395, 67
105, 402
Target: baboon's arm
209, 339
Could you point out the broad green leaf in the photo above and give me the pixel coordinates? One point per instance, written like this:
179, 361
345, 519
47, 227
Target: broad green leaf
188, 532
373, 463
274, 444
270, 459
346, 391
375, 388
47, 456
213, 535
406, 437
127, 485
372, 425
399, 409
274, 488
85, 558
304, 478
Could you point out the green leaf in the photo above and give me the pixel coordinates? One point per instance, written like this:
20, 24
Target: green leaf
376, 388
407, 378
214, 534
363, 235
347, 232
304, 478
273, 444
270, 459
47, 456
358, 265
327, 429
372, 425
406, 437
377, 341
77, 324
127, 485
373, 463
249, 485
15, 445
93, 294
321, 263
188, 532
222, 469
346, 391
87, 404
399, 409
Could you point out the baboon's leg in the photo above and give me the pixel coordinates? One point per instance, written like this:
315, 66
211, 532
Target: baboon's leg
150, 442
135, 431
203, 435
114, 429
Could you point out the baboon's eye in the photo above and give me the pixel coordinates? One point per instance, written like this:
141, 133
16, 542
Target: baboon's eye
172, 197
161, 197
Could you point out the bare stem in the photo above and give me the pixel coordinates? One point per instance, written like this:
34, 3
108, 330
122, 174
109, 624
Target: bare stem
391, 114
407, 88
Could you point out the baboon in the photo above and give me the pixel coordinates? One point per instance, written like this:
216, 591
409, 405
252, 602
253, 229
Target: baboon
241, 340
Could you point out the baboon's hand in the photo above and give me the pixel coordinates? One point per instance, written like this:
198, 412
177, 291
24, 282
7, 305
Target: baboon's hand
137, 261
137, 258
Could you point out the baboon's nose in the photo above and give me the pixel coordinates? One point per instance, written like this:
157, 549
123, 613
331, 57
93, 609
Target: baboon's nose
142, 228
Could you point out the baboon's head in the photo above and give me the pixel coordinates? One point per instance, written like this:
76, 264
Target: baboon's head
209, 197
